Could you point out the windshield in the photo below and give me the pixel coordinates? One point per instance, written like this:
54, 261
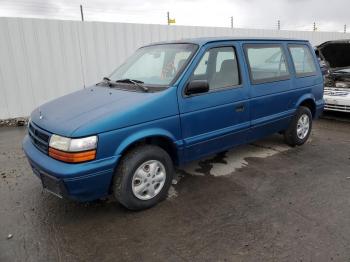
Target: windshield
155, 65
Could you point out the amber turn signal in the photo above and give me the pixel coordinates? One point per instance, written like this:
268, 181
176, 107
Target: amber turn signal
72, 157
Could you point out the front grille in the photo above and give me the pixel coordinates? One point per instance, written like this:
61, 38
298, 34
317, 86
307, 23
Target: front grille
40, 138
333, 107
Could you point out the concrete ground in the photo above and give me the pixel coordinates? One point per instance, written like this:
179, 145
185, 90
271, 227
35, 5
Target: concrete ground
259, 202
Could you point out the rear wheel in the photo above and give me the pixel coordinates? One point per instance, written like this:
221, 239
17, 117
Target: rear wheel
300, 127
143, 177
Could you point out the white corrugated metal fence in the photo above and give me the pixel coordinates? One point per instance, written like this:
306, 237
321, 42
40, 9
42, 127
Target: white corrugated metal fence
44, 59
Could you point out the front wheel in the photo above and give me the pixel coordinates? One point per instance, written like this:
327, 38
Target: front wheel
299, 128
143, 177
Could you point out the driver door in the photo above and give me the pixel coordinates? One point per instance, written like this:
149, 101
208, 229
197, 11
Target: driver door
216, 120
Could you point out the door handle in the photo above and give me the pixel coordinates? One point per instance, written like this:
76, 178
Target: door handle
240, 108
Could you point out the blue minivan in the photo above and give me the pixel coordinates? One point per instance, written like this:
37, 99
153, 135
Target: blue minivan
171, 103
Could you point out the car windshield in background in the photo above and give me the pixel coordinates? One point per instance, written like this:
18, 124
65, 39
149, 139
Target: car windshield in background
155, 65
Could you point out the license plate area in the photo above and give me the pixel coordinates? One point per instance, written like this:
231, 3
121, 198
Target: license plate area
52, 184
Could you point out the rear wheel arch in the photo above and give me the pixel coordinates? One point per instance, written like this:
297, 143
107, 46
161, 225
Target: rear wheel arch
310, 104
297, 124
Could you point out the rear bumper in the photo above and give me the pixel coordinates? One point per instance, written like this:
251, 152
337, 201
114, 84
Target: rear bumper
82, 182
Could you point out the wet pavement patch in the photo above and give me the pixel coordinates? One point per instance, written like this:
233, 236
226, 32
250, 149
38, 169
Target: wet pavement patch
206, 165
228, 162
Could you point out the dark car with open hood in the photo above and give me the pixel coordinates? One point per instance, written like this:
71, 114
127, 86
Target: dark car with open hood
334, 58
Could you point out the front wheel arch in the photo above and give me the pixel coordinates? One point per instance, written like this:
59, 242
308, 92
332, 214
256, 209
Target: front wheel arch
165, 142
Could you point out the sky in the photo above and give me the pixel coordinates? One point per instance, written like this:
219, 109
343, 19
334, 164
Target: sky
293, 14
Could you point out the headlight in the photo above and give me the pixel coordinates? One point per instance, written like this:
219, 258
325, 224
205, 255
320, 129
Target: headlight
73, 150
73, 145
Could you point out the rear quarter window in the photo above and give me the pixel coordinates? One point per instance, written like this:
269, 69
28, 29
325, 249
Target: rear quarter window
303, 60
267, 63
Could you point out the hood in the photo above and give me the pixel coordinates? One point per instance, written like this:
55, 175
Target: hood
336, 53
99, 109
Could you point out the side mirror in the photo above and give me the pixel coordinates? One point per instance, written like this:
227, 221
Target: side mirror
196, 87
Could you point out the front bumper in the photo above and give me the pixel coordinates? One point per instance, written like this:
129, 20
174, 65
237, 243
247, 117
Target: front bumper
82, 182
337, 99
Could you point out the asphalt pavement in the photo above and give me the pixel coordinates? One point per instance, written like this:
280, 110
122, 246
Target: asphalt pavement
259, 202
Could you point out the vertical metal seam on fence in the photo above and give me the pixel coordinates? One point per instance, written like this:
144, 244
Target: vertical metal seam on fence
82, 69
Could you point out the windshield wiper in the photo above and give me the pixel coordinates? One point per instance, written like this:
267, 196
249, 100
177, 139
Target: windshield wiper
137, 83
106, 81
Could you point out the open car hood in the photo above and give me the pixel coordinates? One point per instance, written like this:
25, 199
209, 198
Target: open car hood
336, 53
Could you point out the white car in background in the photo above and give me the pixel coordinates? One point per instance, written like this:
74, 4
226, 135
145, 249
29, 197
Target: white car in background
335, 63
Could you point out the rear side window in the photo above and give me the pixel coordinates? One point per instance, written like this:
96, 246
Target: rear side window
219, 67
303, 61
267, 63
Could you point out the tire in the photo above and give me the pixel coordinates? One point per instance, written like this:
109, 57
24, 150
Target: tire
139, 174
295, 135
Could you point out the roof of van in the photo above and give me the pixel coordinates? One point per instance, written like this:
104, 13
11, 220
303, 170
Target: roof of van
205, 40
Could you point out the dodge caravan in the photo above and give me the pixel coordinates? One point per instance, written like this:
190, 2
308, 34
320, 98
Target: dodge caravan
171, 103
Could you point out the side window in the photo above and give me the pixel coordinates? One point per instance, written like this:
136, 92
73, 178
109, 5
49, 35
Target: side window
219, 67
267, 63
303, 61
